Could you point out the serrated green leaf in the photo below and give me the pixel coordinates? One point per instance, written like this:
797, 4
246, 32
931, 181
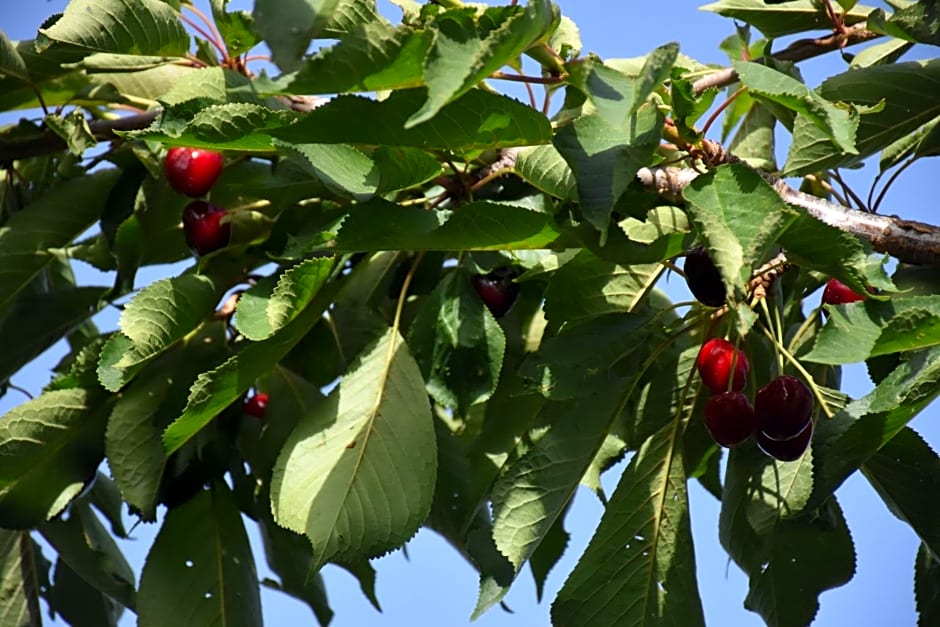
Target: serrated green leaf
236, 28
349, 15
661, 222
160, 315
457, 344
754, 141
918, 22
739, 216
344, 169
927, 587
477, 120
656, 69
775, 19
381, 225
546, 169
73, 129
288, 28
881, 54
469, 46
51, 221
89, 550
587, 287
24, 335
147, 27
548, 553
401, 167
49, 449
845, 442
858, 331
18, 580
902, 471
357, 474
78, 602
639, 566
200, 570
274, 305
11, 61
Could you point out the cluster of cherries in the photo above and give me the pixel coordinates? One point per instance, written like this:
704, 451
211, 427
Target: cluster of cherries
193, 172
781, 418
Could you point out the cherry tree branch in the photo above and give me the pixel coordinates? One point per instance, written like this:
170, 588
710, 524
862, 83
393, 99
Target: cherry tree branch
800, 50
906, 240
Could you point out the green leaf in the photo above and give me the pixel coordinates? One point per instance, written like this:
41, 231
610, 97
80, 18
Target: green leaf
640, 565
656, 70
546, 169
858, 331
236, 28
605, 154
838, 122
147, 27
288, 27
215, 390
477, 120
548, 553
11, 61
927, 587
739, 216
401, 167
382, 225
902, 471
775, 19
89, 550
158, 317
24, 335
78, 602
845, 442
587, 287
345, 170
469, 46
200, 570
373, 57
457, 344
265, 309
754, 141
73, 129
917, 22
53, 220
356, 476
49, 449
19, 580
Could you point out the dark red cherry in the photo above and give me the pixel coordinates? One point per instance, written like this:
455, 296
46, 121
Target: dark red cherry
729, 418
203, 227
714, 363
496, 289
838, 293
783, 408
786, 450
256, 405
703, 278
192, 171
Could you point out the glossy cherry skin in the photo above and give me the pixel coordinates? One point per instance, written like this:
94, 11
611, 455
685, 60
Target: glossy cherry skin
838, 293
729, 418
203, 227
786, 450
256, 405
192, 171
714, 363
703, 278
783, 408
497, 290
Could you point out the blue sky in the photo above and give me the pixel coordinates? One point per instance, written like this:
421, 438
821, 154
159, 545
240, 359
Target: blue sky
435, 587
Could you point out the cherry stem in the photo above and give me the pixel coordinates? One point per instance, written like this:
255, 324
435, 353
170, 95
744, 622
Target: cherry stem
489, 177
774, 337
22, 391
724, 105
401, 299
810, 320
522, 78
217, 36
849, 192
531, 92
193, 25
894, 176
781, 350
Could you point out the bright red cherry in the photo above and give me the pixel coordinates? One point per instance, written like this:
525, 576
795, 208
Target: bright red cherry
192, 171
786, 450
203, 227
783, 408
714, 363
496, 289
703, 278
729, 418
256, 405
838, 293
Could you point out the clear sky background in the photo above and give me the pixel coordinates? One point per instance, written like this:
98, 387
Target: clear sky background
434, 587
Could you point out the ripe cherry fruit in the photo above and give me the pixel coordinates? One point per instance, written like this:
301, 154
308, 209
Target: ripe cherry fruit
715, 361
256, 405
496, 289
703, 278
203, 227
838, 293
783, 408
192, 171
729, 418
786, 450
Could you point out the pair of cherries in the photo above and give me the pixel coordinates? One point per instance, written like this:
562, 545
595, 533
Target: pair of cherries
193, 172
780, 418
